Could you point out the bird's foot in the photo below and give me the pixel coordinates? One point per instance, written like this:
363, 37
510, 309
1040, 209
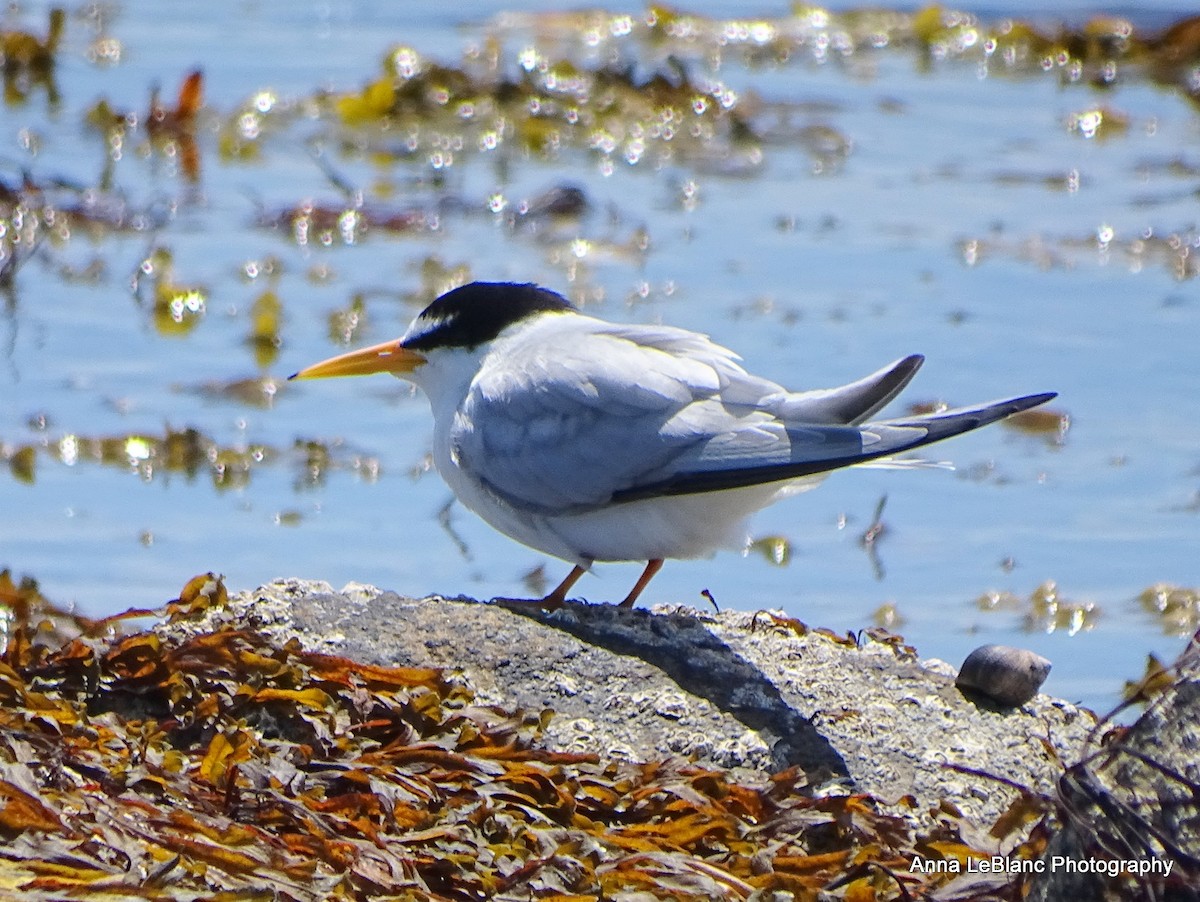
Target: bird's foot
555, 599
558, 597
551, 602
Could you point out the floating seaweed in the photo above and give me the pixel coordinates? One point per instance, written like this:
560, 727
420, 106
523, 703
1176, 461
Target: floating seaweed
1099, 53
1176, 251
1044, 610
1177, 608
313, 222
252, 391
28, 61
1051, 424
38, 214
190, 453
546, 106
266, 324
176, 308
170, 131
775, 550
622, 89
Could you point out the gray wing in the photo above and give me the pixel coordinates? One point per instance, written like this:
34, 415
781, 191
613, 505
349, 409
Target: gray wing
611, 408
624, 413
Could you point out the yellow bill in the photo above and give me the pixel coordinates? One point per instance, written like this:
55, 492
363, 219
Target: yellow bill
388, 357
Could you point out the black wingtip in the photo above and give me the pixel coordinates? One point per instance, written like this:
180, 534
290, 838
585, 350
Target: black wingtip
1030, 401
861, 400
932, 428
904, 370
293, 376
949, 423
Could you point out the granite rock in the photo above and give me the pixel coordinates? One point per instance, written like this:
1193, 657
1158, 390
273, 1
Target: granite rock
748, 693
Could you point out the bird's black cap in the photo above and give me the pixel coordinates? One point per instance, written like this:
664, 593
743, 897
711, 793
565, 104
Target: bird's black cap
476, 313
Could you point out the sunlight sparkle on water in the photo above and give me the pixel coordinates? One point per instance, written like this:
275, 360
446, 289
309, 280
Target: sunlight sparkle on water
137, 449
249, 126
406, 62
68, 450
1087, 123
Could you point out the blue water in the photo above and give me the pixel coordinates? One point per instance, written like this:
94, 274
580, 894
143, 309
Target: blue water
815, 277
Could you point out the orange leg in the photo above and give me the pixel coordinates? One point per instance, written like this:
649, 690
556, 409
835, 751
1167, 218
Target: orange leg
652, 567
558, 597
555, 599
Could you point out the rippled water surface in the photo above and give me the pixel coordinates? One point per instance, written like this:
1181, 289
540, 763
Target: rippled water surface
830, 196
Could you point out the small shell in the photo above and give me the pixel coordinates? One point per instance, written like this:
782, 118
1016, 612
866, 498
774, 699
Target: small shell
1007, 675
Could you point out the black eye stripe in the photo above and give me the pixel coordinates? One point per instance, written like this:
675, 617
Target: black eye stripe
476, 313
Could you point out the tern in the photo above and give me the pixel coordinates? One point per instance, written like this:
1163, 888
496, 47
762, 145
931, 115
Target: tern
597, 441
